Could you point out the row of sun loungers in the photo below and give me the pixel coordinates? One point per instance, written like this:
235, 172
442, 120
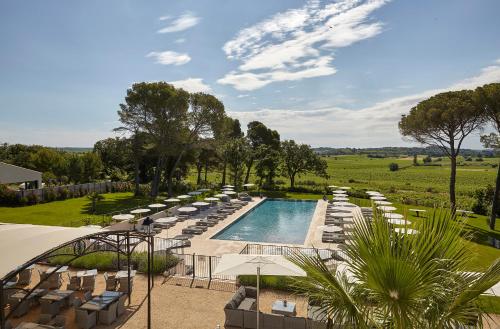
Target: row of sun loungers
224, 210
338, 215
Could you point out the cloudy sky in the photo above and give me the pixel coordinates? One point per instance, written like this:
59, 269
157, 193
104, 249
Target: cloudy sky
327, 73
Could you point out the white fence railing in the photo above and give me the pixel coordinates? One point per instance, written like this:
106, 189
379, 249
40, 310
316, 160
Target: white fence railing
44, 194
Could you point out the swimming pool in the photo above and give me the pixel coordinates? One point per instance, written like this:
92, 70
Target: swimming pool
273, 220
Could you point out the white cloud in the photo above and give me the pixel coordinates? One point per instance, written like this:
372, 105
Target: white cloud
169, 57
242, 95
183, 22
298, 43
372, 126
180, 40
164, 18
192, 85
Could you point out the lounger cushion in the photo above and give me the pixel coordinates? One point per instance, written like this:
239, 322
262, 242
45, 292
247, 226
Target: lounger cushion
238, 297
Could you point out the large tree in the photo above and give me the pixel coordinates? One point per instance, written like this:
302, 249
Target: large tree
260, 138
115, 153
300, 159
229, 130
488, 99
444, 120
160, 110
204, 117
236, 153
268, 164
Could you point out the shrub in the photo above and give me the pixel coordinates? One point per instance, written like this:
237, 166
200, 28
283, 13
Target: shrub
144, 189
393, 166
7, 196
32, 198
50, 195
483, 198
63, 194
427, 159
107, 260
267, 281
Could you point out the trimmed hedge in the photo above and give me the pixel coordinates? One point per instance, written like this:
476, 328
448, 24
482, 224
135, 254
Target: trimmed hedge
267, 281
108, 261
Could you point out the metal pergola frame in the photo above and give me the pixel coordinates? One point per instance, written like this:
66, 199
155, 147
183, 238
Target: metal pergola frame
82, 246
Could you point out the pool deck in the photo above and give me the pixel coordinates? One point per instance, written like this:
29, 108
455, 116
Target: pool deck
313, 237
203, 244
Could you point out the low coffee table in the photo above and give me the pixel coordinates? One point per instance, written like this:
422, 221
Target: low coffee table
280, 308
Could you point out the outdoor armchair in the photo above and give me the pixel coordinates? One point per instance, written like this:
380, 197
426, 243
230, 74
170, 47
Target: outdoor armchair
24, 277
120, 309
51, 308
109, 315
88, 283
74, 283
85, 320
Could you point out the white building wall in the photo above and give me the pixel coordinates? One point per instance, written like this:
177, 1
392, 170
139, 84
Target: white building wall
10, 174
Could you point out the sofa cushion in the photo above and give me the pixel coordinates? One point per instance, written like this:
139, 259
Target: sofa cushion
247, 304
251, 292
242, 291
239, 295
237, 298
231, 305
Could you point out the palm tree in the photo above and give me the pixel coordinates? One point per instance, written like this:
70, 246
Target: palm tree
94, 197
399, 280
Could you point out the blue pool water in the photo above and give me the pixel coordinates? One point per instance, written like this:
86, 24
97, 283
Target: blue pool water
279, 221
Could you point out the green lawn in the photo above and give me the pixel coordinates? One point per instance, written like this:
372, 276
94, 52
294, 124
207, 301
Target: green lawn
69, 212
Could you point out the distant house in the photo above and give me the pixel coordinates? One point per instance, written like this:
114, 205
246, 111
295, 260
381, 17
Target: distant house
10, 174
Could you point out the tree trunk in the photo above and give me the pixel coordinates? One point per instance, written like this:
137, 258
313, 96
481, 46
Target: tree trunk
171, 174
199, 168
249, 168
169, 184
156, 178
453, 176
494, 206
292, 181
206, 172
224, 173
137, 179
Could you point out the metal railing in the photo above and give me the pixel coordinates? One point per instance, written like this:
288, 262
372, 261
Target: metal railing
198, 267
268, 249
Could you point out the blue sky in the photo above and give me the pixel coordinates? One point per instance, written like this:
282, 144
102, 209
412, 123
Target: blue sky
328, 73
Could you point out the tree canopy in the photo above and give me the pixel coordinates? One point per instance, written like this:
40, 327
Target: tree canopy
300, 159
444, 120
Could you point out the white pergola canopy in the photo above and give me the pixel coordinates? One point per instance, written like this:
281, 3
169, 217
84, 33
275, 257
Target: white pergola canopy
21, 243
